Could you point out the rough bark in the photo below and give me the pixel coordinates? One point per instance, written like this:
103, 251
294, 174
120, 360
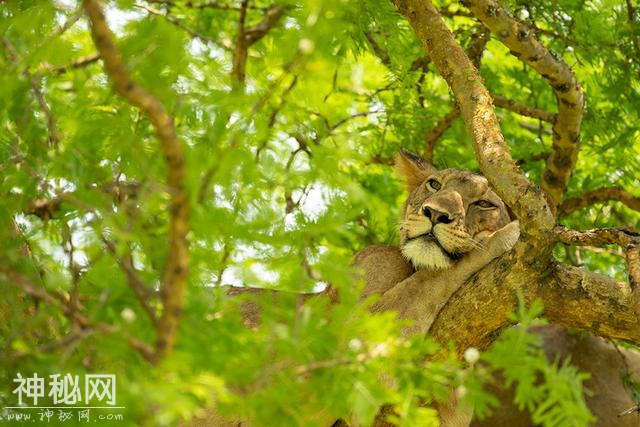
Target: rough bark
476, 107
572, 297
521, 40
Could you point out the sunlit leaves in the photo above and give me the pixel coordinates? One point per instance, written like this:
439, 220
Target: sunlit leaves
287, 180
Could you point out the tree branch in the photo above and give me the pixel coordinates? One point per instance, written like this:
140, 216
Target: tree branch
600, 195
474, 51
54, 135
526, 200
566, 130
523, 110
141, 291
626, 239
179, 24
434, 134
572, 297
47, 209
248, 37
74, 315
205, 5
598, 237
79, 63
14, 57
174, 277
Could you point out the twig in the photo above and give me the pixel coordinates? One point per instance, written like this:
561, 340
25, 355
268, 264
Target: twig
523, 110
79, 63
205, 5
174, 277
179, 24
74, 315
378, 50
14, 57
351, 117
538, 129
141, 291
631, 14
274, 114
54, 135
534, 158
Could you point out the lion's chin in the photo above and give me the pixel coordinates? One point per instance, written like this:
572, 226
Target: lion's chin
424, 254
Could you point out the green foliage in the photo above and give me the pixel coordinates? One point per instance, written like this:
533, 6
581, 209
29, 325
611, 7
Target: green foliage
551, 392
287, 180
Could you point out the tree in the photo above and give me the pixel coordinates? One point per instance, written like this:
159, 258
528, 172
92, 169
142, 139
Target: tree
177, 146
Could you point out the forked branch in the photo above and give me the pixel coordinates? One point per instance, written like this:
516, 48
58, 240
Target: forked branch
476, 108
523, 44
247, 37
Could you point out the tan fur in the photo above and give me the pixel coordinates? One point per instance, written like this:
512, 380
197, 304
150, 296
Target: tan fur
453, 224
445, 237
480, 236
417, 278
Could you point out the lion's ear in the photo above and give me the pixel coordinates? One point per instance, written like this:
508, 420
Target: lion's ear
413, 168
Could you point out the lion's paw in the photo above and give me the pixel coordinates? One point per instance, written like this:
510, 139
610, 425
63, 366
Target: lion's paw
503, 240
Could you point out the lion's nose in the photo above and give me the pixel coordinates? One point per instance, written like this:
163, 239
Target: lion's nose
436, 216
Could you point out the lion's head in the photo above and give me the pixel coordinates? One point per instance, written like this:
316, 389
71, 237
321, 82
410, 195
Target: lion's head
447, 214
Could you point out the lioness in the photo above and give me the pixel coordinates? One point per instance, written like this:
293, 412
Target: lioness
453, 225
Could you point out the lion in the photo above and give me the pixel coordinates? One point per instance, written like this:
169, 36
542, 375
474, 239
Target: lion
453, 224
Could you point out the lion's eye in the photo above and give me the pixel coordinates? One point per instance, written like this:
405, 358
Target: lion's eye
485, 204
433, 184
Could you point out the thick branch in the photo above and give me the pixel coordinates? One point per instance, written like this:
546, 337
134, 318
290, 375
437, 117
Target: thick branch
174, 278
475, 49
600, 195
526, 200
572, 297
626, 239
566, 130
